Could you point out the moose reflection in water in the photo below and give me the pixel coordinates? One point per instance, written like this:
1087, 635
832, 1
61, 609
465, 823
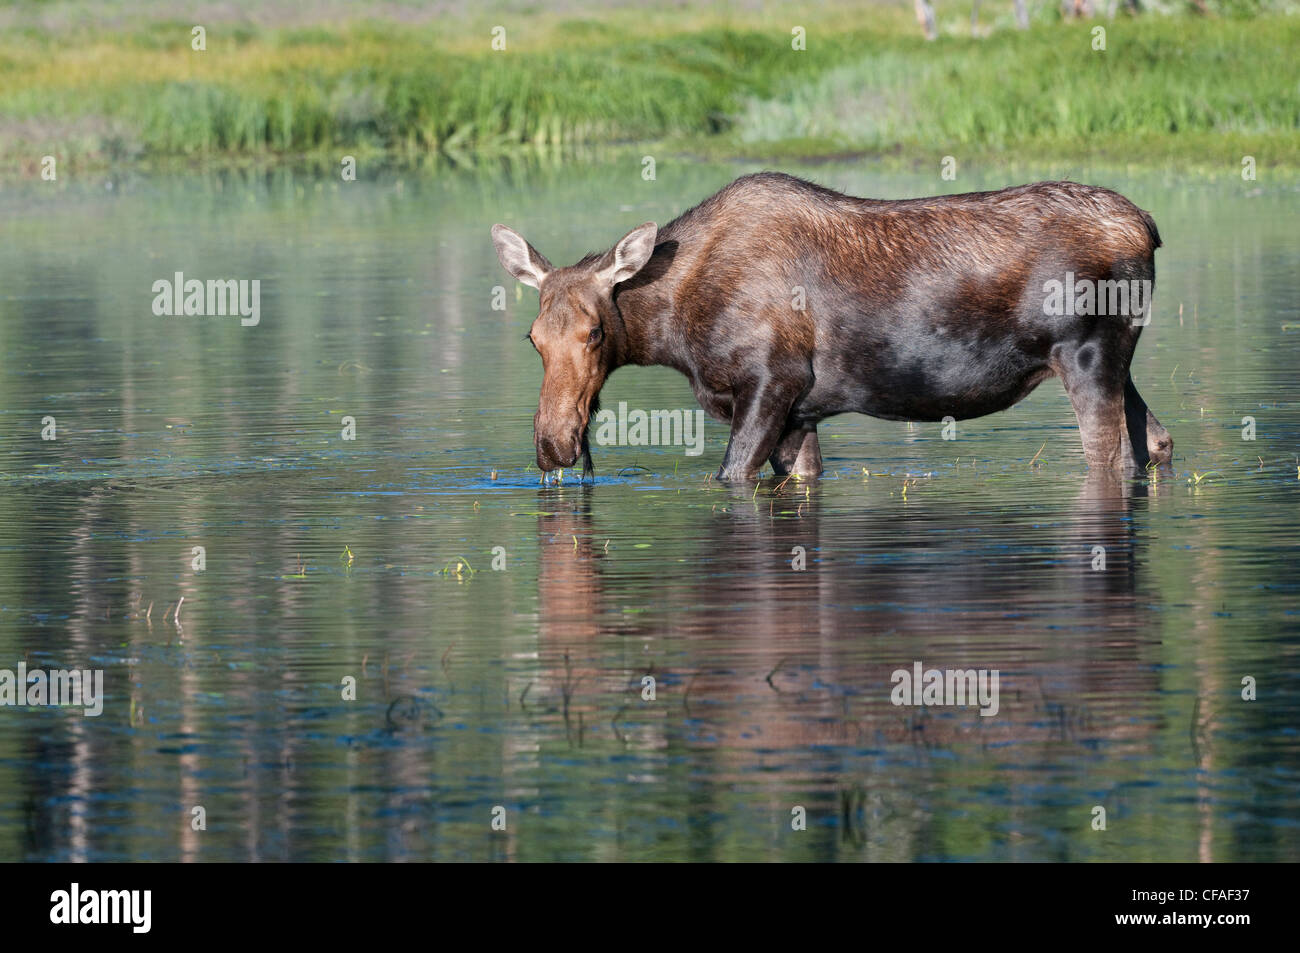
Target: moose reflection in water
804, 672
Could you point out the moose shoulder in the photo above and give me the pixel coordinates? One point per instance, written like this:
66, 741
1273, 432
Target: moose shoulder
785, 303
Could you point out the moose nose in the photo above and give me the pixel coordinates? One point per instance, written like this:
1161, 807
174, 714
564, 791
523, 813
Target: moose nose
552, 455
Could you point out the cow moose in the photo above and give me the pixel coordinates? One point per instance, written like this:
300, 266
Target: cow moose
785, 303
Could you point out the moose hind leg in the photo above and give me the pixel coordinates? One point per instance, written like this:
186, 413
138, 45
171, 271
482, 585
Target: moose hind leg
798, 453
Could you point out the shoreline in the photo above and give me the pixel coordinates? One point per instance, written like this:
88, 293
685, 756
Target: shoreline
899, 160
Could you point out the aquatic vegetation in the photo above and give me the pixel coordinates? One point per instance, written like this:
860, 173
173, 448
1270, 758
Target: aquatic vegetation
460, 570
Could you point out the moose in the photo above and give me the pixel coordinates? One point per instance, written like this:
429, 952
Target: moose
785, 303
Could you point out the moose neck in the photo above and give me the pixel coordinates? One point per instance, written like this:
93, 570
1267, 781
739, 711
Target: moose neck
651, 332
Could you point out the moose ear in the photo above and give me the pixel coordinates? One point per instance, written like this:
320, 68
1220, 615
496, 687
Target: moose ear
630, 255
519, 258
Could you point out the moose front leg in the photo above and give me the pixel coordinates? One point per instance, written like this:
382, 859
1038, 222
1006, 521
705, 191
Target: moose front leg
587, 469
758, 420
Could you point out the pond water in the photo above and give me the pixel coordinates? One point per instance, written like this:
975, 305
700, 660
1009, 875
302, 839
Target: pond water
523, 688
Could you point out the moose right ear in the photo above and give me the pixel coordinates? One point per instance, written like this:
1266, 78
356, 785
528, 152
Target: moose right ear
519, 258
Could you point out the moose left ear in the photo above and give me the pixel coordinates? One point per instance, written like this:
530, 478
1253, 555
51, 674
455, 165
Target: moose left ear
630, 255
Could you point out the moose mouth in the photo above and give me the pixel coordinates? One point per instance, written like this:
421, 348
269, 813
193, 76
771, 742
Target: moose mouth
552, 457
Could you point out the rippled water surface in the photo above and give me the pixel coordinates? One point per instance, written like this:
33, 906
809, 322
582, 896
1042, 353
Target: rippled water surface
522, 688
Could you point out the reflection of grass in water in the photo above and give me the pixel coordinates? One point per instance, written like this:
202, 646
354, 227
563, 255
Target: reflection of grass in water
1164, 86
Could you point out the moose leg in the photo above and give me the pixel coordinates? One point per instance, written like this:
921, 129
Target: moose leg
798, 453
1144, 429
587, 469
1096, 391
758, 419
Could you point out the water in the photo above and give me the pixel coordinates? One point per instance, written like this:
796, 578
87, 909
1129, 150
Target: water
523, 689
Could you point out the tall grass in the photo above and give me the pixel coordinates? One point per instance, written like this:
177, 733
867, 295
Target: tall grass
406, 90
402, 94
1156, 79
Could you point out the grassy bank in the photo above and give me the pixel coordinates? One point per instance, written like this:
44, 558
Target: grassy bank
1186, 91
1166, 89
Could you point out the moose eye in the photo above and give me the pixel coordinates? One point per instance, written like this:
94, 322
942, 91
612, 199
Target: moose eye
595, 336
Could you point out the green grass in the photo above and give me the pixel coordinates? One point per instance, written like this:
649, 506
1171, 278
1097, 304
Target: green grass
1164, 89
1179, 89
